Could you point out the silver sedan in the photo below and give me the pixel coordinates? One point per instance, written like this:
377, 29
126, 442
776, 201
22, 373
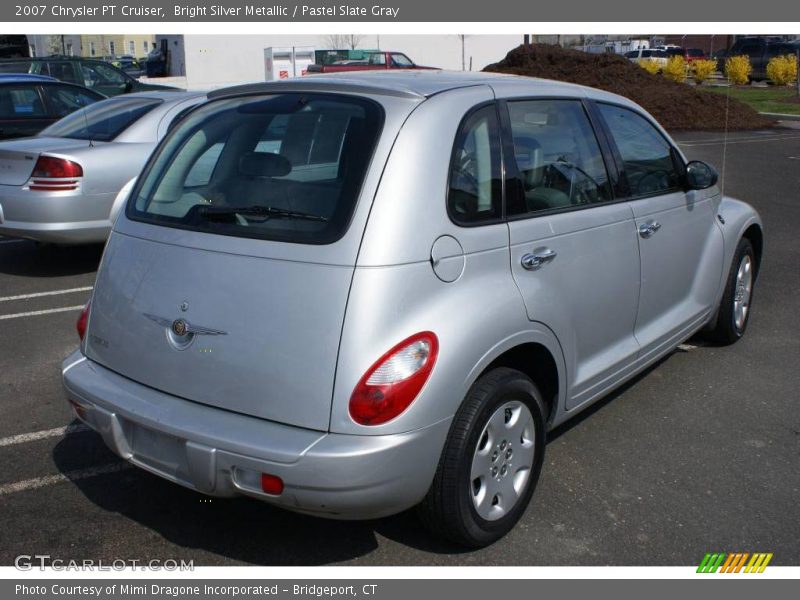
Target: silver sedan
62, 186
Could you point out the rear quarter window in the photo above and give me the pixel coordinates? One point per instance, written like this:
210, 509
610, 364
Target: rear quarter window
21, 102
285, 167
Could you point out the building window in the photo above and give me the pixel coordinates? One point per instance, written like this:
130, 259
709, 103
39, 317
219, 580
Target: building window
69, 50
111, 48
92, 49
131, 47
145, 47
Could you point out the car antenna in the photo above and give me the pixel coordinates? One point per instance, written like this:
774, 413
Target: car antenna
725, 136
86, 124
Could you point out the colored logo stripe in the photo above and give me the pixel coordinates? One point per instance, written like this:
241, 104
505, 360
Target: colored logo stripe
734, 562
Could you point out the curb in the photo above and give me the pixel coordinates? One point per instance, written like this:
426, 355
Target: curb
781, 116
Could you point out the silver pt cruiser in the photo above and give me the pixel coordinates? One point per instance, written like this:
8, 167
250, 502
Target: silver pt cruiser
351, 295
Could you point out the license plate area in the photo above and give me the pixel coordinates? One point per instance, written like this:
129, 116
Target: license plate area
159, 451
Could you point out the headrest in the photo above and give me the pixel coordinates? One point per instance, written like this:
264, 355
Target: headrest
264, 164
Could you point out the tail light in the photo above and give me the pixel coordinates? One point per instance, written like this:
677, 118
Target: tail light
83, 320
52, 174
394, 381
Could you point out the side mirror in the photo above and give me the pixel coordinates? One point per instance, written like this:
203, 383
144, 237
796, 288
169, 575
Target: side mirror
700, 176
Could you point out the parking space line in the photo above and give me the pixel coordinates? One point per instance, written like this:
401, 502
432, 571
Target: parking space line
77, 475
42, 294
42, 435
738, 141
35, 313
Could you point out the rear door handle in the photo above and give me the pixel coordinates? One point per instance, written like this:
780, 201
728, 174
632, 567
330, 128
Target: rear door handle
647, 230
534, 260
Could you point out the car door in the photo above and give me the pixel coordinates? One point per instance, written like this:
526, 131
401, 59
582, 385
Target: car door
680, 244
22, 111
573, 248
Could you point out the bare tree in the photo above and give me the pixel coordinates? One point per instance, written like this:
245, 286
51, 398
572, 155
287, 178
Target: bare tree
341, 41
54, 44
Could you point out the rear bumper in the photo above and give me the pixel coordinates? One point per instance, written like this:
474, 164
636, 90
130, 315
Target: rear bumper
221, 453
54, 217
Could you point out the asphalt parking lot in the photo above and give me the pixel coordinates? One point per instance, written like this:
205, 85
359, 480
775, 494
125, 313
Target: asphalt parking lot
701, 453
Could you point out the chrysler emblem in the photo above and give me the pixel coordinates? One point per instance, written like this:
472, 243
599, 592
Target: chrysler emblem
179, 327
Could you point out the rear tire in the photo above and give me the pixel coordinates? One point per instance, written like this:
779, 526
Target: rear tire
734, 308
490, 463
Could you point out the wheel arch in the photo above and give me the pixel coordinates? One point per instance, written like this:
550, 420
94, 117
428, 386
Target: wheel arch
536, 353
755, 235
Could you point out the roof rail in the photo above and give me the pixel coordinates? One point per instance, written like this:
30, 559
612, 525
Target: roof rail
312, 84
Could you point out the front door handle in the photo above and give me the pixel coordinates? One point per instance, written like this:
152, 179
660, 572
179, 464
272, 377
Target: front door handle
647, 230
534, 260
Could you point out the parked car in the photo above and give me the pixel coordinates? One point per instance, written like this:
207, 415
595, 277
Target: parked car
373, 61
660, 57
688, 54
760, 51
60, 186
29, 103
129, 65
309, 299
95, 74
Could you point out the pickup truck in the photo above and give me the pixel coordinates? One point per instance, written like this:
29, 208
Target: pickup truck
374, 61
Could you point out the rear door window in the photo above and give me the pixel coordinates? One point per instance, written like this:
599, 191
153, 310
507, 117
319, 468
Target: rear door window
285, 167
63, 71
557, 157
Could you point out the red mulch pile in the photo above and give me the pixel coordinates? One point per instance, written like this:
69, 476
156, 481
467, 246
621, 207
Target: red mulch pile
676, 106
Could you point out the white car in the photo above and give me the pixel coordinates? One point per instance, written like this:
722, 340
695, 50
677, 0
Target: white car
660, 57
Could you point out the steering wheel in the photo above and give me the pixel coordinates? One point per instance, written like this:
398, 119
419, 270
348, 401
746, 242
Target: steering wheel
653, 182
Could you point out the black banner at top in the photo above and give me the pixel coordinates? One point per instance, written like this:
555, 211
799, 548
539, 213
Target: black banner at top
516, 11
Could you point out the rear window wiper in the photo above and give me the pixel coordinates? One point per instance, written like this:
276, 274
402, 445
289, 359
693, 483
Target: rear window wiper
222, 213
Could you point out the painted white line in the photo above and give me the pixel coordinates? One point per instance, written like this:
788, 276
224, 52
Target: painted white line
35, 313
42, 435
77, 475
42, 294
738, 141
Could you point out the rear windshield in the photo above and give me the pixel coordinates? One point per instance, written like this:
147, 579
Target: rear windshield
103, 121
285, 167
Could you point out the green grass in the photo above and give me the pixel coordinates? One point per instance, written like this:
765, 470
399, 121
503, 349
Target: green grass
762, 99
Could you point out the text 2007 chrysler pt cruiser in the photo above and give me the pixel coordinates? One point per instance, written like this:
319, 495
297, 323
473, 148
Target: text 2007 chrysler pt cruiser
350, 295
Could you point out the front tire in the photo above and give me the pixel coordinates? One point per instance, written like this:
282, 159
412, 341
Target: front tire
734, 308
491, 461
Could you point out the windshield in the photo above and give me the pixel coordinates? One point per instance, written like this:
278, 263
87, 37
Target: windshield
283, 167
102, 121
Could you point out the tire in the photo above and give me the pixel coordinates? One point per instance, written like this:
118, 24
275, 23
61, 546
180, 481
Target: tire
503, 409
733, 313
